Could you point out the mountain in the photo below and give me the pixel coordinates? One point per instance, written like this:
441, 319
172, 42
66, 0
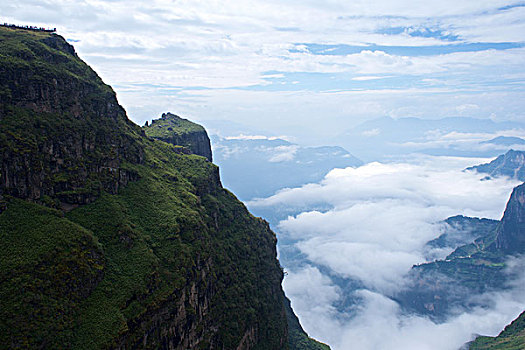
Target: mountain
511, 164
113, 239
505, 141
386, 137
460, 230
511, 338
444, 286
260, 166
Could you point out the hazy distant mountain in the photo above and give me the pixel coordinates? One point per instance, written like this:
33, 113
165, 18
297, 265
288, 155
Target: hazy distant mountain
505, 140
511, 164
259, 167
459, 230
387, 137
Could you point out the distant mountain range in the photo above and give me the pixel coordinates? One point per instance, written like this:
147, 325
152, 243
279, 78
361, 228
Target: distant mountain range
386, 137
511, 164
505, 140
258, 167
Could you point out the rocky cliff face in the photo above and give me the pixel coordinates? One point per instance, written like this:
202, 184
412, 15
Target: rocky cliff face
76, 146
510, 237
111, 239
173, 129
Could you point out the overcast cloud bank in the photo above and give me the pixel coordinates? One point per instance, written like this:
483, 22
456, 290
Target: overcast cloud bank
379, 219
274, 65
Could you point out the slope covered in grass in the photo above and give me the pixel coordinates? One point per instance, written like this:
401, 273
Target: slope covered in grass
511, 338
110, 239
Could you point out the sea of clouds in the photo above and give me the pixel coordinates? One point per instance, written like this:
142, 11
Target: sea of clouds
379, 218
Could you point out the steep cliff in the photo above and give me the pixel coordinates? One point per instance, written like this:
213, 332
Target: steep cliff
76, 146
111, 239
178, 131
510, 235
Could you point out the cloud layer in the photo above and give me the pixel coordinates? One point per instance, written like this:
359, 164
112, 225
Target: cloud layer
379, 219
276, 64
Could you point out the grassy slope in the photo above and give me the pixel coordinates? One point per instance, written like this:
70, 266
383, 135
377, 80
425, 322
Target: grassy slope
48, 265
84, 280
511, 338
171, 126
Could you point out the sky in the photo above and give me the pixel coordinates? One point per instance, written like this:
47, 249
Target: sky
307, 69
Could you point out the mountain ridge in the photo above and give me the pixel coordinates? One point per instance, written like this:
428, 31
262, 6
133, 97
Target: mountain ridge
112, 239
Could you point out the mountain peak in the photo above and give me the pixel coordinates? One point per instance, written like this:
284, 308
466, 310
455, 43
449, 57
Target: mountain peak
178, 131
511, 164
511, 233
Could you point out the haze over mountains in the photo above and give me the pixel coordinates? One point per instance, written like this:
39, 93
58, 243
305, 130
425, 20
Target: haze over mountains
384, 138
258, 167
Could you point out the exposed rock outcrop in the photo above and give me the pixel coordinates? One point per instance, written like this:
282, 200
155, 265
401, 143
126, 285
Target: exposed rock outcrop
173, 129
510, 236
47, 156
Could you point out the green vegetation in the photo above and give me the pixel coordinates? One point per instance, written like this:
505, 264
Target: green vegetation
181, 132
49, 264
168, 256
61, 128
511, 338
170, 124
297, 337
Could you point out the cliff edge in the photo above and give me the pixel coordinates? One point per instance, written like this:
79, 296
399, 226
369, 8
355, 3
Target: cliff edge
173, 129
112, 239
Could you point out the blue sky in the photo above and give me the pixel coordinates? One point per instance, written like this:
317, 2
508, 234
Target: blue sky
307, 69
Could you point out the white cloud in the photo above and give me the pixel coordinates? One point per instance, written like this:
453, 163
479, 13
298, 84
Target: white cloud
256, 137
195, 44
378, 323
377, 222
369, 77
464, 141
371, 132
467, 107
283, 153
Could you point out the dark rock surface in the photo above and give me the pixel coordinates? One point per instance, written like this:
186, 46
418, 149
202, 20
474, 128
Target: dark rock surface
510, 236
